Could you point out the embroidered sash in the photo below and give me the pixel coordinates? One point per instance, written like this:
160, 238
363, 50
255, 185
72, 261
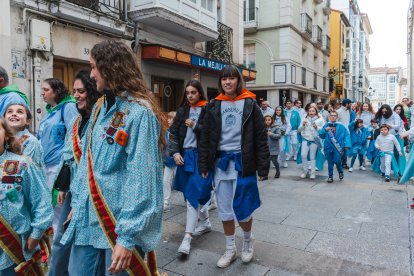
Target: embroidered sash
105, 217
77, 151
10, 243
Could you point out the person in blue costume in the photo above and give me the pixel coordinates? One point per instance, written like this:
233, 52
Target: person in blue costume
184, 142
10, 93
409, 170
233, 144
122, 155
372, 150
359, 137
385, 115
310, 146
170, 168
86, 95
385, 160
61, 110
336, 139
18, 118
25, 203
294, 118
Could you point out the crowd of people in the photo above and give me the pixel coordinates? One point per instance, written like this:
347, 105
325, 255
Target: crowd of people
321, 132
100, 172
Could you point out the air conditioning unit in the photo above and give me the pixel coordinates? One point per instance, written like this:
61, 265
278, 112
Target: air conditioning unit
39, 35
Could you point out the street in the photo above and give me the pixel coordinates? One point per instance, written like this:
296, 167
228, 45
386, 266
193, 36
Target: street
358, 226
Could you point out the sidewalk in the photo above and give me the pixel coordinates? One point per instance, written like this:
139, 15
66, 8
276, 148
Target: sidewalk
358, 226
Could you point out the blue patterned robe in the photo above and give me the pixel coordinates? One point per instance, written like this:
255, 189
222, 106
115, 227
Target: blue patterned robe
31, 147
129, 176
27, 206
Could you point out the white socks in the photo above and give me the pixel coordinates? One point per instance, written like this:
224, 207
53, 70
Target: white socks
230, 242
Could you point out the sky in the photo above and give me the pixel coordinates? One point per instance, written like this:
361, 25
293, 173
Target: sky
388, 42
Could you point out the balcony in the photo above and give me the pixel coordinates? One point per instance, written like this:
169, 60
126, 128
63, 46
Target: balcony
306, 25
251, 20
326, 44
317, 35
112, 8
182, 18
326, 7
221, 49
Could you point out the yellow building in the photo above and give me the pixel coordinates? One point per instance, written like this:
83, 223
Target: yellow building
338, 64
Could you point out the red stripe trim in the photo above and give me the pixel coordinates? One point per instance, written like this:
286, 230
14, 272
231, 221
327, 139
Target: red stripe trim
77, 151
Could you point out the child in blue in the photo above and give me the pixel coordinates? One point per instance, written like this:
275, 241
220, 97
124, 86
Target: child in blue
25, 202
10, 93
18, 118
336, 139
184, 143
234, 145
170, 167
359, 136
375, 131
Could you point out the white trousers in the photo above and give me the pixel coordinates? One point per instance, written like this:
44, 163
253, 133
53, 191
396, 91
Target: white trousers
193, 215
311, 149
386, 164
51, 172
293, 140
168, 180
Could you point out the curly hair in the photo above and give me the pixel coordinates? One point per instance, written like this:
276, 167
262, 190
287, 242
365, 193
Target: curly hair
11, 143
402, 115
90, 87
58, 88
361, 108
197, 85
119, 67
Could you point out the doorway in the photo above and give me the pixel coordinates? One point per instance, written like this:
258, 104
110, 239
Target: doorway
67, 70
168, 93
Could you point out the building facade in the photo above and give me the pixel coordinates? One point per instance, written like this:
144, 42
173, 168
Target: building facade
175, 41
410, 54
384, 82
356, 85
289, 49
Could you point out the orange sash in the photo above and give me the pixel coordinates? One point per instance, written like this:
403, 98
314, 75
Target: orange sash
11, 244
77, 151
105, 217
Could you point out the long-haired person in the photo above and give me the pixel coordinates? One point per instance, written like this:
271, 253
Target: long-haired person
184, 142
25, 211
234, 145
284, 141
117, 189
311, 124
360, 135
86, 95
366, 114
61, 110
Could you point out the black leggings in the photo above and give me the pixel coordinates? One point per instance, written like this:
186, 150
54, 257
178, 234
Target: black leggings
273, 158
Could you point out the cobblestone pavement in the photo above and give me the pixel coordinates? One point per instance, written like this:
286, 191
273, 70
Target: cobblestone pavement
358, 226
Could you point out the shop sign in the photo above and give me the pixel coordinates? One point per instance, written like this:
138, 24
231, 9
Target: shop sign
207, 63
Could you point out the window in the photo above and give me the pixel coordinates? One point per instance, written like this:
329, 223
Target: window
315, 80
391, 79
391, 96
249, 10
249, 58
324, 84
207, 4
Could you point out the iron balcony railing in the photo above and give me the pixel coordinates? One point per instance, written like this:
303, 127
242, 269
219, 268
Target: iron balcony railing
306, 24
327, 43
112, 8
222, 48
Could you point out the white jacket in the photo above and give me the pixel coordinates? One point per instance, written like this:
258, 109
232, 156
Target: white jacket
308, 132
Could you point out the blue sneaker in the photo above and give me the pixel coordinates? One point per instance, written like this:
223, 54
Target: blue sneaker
387, 178
382, 174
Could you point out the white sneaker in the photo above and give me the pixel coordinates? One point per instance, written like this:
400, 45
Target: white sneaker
247, 252
316, 169
228, 257
362, 168
303, 175
350, 169
167, 207
185, 245
312, 176
285, 165
203, 227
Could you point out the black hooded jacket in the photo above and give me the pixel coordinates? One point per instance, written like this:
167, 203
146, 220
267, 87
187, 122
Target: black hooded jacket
254, 147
